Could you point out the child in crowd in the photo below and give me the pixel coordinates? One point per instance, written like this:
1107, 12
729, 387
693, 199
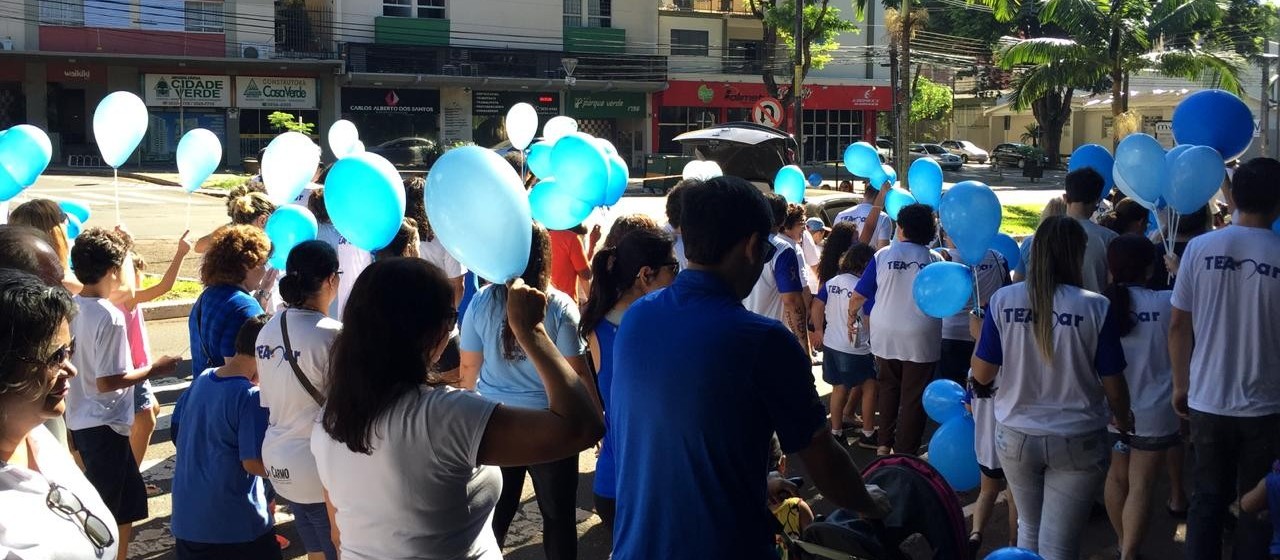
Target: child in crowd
219, 506
404, 244
981, 405
846, 348
100, 400
992, 273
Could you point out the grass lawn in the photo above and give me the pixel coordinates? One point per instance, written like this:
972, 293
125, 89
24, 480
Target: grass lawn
182, 289
225, 182
1020, 219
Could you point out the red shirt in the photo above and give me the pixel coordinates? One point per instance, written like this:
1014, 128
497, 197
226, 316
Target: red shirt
567, 260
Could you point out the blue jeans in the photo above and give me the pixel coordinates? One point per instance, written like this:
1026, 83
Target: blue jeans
1231, 455
1054, 480
312, 523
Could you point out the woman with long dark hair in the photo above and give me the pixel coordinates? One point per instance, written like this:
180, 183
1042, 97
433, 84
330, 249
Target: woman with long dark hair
402, 455
1060, 364
429, 246
495, 364
642, 262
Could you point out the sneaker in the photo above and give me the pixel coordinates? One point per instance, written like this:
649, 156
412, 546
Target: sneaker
884, 450
868, 441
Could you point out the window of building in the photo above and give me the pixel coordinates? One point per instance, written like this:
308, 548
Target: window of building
573, 13
828, 132
431, 9
204, 17
746, 57
599, 13
106, 13
426, 9
62, 12
689, 42
674, 121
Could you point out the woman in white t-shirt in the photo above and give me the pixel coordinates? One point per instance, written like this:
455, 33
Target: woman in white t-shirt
429, 246
293, 358
1059, 364
50, 509
402, 455
1141, 316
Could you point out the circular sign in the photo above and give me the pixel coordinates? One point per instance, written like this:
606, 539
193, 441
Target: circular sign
767, 111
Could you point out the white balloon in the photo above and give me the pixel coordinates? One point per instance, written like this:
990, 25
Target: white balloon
558, 127
357, 149
119, 123
288, 164
343, 137
701, 170
522, 125
199, 154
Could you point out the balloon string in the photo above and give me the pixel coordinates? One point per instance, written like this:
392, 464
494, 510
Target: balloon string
188, 228
115, 188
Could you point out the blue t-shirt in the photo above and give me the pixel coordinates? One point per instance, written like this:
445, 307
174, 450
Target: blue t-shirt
214, 499
515, 382
606, 475
686, 359
215, 321
470, 285
1273, 506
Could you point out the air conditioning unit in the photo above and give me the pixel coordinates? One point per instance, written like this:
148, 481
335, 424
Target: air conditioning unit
257, 50
6, 44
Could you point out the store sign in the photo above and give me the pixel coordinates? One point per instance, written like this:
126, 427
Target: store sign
258, 92
602, 105
484, 103
186, 90
74, 73
391, 101
745, 95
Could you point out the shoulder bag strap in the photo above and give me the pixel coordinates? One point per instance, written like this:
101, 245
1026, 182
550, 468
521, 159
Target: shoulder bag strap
293, 362
200, 334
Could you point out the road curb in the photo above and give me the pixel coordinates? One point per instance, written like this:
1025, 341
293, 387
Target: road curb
159, 311
146, 178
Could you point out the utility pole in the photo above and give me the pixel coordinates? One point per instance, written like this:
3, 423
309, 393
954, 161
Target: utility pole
903, 101
797, 82
1264, 99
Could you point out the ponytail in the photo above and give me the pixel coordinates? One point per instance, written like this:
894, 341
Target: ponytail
1131, 259
604, 292
310, 264
614, 270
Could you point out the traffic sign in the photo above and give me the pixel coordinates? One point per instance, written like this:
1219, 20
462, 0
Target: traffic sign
767, 111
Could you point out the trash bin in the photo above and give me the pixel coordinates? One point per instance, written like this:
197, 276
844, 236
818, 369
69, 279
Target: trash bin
664, 165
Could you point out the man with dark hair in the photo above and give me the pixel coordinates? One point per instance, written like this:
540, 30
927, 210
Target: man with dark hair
862, 214
27, 249
690, 361
779, 293
1083, 193
1222, 343
675, 208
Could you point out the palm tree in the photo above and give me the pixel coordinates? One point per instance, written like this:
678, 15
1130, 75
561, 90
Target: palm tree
902, 29
1032, 135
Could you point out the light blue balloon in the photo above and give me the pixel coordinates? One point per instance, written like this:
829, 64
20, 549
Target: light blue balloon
944, 400
951, 452
1216, 119
287, 227
119, 123
74, 226
1139, 170
618, 175
539, 159
581, 168
789, 183
73, 208
25, 152
1196, 176
9, 188
364, 197
895, 200
199, 154
942, 289
925, 179
890, 174
861, 159
971, 214
555, 208
1008, 248
1014, 553
480, 212
1097, 158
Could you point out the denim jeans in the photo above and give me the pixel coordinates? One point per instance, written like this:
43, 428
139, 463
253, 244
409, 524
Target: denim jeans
1054, 481
555, 485
1231, 455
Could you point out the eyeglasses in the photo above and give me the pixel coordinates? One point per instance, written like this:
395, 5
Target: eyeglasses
56, 358
673, 265
63, 501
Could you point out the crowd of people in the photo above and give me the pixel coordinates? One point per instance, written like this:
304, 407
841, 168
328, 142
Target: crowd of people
395, 403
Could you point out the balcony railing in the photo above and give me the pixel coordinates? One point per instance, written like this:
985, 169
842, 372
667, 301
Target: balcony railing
304, 33
722, 6
500, 63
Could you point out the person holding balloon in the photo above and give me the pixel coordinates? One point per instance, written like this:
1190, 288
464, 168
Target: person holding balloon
45, 215
1059, 362
861, 214
992, 480
957, 342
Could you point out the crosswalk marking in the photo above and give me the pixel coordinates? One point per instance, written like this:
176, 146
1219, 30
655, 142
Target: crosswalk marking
107, 198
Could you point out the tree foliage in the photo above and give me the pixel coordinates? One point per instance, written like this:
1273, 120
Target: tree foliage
822, 25
286, 122
930, 101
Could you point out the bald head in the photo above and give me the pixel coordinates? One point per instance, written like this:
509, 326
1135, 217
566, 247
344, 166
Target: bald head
27, 249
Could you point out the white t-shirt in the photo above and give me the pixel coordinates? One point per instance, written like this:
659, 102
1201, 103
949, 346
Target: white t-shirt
812, 254
29, 529
352, 261
1095, 255
434, 252
900, 331
420, 493
806, 276
993, 274
1062, 396
766, 297
1150, 375
859, 214
836, 293
102, 350
678, 246
286, 451
1230, 283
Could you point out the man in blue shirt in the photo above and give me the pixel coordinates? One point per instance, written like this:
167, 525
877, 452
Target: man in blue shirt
219, 510
691, 360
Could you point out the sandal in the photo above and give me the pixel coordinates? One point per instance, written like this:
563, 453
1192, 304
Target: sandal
975, 543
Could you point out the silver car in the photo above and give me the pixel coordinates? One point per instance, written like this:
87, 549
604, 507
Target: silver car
946, 160
968, 151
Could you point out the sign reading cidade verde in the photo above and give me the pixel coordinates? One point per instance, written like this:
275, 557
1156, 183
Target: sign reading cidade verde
186, 90
257, 92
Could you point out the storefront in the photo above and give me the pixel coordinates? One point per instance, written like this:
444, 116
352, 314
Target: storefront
177, 103
259, 96
382, 114
489, 111
616, 116
72, 91
834, 115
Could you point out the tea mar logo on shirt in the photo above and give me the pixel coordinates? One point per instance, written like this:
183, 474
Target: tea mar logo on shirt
1226, 263
1025, 315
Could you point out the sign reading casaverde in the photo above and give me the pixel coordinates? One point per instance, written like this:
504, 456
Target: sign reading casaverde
601, 105
257, 92
186, 90
391, 101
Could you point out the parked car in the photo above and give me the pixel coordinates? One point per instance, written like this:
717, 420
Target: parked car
885, 147
968, 151
1009, 155
826, 204
409, 152
752, 151
946, 160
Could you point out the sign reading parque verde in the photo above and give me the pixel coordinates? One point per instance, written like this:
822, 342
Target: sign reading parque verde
605, 105
251, 92
258, 92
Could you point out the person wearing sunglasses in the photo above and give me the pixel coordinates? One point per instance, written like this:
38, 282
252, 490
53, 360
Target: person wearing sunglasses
50, 509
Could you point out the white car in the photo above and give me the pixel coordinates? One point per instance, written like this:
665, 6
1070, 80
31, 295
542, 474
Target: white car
968, 151
946, 160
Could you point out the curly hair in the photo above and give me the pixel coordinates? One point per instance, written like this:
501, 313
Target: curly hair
245, 205
96, 253
233, 252
416, 207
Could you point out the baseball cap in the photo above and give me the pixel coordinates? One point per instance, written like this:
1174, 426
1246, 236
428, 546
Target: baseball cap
814, 224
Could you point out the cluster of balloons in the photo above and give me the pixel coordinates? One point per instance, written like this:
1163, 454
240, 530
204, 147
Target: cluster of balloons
25, 152
970, 214
577, 172
951, 449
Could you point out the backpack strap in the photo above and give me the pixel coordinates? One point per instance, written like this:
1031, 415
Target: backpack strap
293, 361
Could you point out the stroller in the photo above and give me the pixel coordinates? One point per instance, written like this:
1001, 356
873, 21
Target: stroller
926, 522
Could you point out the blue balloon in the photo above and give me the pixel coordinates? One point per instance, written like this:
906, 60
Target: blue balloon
789, 183
480, 211
364, 196
1196, 176
1139, 170
971, 214
618, 175
1174, 152
815, 180
9, 188
925, 179
74, 226
25, 152
951, 452
942, 289
895, 200
1014, 553
288, 226
73, 208
555, 208
580, 167
944, 400
539, 159
890, 174
1216, 119
1008, 248
861, 159
1097, 158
